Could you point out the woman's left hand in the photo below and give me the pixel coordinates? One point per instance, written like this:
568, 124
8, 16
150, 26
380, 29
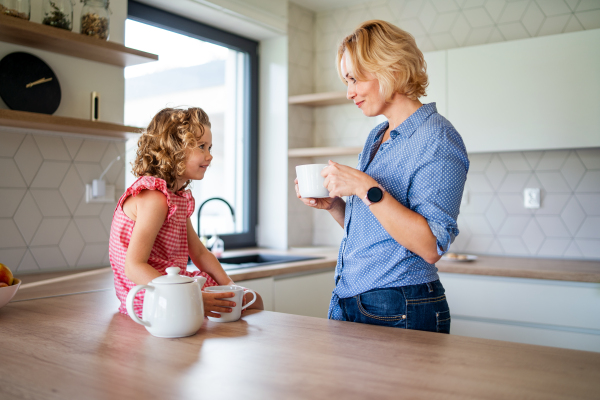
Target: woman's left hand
341, 180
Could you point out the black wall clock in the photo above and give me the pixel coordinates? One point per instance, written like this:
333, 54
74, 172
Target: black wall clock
28, 84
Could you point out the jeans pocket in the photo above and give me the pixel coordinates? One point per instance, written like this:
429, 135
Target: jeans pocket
443, 321
428, 313
382, 307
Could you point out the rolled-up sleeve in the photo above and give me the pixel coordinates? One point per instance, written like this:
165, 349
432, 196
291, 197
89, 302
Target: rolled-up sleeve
437, 185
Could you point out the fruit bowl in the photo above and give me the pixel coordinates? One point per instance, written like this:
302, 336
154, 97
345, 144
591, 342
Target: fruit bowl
8, 292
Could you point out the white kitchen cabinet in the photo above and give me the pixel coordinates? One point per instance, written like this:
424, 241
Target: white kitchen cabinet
533, 311
306, 294
436, 73
531, 94
264, 287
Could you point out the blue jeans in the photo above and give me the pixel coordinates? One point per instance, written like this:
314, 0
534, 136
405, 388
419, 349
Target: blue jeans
421, 307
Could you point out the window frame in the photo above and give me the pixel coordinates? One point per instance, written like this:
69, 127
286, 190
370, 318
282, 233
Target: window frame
165, 20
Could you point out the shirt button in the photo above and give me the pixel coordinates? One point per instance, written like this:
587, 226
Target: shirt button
404, 317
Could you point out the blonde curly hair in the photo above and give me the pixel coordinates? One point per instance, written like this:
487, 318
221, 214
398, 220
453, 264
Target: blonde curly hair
162, 148
390, 54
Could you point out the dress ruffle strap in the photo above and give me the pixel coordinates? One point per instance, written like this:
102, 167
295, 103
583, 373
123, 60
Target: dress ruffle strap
150, 183
191, 205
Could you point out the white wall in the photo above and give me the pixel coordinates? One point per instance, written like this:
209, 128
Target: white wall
273, 144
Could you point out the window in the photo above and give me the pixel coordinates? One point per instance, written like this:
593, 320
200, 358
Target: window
201, 66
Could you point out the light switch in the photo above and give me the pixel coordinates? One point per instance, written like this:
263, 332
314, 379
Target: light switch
532, 197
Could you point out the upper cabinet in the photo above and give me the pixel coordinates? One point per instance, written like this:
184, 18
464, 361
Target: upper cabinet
436, 74
532, 94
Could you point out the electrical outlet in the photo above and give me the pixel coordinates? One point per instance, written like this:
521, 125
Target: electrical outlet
109, 196
532, 198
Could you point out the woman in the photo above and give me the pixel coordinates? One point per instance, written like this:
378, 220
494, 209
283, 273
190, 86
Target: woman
404, 197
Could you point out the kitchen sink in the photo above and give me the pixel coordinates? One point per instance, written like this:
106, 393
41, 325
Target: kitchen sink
259, 259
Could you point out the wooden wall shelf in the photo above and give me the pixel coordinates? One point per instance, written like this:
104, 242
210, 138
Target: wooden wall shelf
52, 123
324, 151
319, 99
44, 37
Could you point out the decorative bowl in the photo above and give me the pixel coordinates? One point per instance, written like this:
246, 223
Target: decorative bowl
8, 292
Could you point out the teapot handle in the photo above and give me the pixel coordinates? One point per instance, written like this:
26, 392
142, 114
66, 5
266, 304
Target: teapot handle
129, 302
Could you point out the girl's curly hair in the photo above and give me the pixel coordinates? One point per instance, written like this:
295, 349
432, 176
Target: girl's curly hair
162, 147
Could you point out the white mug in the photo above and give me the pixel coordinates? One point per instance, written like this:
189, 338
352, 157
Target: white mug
236, 312
310, 181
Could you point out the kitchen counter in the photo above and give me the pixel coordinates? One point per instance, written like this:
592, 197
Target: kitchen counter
49, 284
533, 268
76, 346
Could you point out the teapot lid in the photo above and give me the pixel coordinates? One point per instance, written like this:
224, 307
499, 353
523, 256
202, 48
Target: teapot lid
172, 277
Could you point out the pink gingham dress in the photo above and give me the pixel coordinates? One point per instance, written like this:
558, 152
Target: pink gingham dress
170, 247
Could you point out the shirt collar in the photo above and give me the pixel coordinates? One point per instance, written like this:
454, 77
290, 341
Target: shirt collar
410, 125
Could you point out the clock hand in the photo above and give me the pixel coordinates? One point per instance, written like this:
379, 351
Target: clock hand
43, 80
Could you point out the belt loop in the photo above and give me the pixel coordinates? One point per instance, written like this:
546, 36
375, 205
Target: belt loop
430, 287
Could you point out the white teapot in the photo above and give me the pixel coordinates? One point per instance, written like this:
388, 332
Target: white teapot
173, 305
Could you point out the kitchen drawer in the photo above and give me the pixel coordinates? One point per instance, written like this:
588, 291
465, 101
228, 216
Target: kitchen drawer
532, 301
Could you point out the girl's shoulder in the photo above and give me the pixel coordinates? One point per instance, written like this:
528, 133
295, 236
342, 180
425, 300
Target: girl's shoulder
156, 188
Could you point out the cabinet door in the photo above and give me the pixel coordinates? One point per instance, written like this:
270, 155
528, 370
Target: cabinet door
307, 295
262, 286
532, 94
534, 311
436, 72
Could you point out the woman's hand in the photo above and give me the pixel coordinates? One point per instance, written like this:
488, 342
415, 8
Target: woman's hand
341, 180
326, 203
213, 303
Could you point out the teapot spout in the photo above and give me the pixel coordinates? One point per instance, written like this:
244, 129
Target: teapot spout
201, 281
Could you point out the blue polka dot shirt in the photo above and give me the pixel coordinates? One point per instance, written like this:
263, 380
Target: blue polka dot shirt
423, 166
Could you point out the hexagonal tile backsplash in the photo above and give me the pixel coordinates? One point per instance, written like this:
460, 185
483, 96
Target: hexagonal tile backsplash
564, 226
45, 222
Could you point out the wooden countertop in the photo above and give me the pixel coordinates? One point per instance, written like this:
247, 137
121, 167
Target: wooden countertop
78, 346
533, 268
68, 282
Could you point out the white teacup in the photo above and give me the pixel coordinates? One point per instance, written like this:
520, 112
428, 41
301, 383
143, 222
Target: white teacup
310, 181
236, 312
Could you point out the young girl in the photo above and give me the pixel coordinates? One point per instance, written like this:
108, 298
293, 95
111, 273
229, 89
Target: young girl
151, 228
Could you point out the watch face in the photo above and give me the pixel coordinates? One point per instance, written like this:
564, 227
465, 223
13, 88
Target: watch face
375, 194
28, 84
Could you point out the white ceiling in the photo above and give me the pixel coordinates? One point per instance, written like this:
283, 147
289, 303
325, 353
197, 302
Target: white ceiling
327, 5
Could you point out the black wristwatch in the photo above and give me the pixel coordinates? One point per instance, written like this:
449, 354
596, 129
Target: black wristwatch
374, 195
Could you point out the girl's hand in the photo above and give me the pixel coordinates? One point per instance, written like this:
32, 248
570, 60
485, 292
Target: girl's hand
341, 180
326, 203
213, 303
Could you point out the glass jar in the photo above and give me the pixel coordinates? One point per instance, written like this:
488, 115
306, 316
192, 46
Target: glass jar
58, 13
95, 19
15, 8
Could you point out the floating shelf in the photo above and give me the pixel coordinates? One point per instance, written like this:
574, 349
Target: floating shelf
319, 99
324, 151
44, 37
52, 123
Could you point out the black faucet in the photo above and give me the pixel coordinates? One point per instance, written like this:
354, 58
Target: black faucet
206, 201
